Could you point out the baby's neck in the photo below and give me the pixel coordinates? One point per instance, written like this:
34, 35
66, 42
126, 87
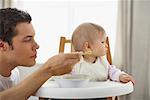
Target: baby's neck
90, 59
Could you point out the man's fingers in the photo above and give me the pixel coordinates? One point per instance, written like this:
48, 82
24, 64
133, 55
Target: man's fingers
65, 67
73, 55
72, 61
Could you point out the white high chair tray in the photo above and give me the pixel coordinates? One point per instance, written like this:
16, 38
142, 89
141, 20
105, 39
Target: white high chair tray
93, 90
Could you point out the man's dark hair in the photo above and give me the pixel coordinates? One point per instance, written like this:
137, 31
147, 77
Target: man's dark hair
9, 18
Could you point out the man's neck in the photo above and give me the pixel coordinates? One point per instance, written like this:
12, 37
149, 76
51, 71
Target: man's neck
5, 69
5, 73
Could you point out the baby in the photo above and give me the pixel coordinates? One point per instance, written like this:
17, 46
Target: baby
89, 39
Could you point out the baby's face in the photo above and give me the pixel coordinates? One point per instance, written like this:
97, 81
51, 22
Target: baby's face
99, 47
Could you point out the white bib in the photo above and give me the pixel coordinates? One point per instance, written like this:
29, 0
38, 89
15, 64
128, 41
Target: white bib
97, 71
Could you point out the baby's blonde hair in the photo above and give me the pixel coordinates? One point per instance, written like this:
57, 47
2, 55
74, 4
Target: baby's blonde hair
86, 32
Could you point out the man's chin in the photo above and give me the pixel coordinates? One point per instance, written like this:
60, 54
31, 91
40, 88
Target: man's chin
29, 64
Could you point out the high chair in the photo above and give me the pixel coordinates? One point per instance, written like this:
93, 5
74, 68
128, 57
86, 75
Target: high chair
63, 41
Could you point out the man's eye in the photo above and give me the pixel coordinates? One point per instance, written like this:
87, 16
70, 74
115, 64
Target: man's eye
28, 39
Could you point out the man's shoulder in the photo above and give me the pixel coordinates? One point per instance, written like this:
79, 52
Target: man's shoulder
15, 76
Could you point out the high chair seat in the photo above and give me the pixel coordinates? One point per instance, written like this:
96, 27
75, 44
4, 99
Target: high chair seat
96, 90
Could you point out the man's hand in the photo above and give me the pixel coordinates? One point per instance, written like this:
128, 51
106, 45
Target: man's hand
62, 63
126, 78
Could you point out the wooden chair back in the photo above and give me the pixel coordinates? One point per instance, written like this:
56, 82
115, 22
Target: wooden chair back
63, 41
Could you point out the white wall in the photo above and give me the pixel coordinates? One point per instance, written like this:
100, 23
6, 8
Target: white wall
55, 18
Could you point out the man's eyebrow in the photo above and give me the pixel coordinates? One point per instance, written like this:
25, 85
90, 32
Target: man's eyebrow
29, 36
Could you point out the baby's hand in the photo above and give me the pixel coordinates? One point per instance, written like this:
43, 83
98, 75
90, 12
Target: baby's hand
126, 78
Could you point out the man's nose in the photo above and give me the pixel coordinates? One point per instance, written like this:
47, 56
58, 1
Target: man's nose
35, 46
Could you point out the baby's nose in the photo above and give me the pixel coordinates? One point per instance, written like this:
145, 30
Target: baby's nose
106, 45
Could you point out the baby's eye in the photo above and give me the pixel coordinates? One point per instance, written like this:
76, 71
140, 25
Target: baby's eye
103, 42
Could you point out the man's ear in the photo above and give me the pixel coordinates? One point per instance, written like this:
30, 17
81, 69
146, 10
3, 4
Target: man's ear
3, 45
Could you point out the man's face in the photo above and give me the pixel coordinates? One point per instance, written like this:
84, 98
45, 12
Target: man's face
24, 46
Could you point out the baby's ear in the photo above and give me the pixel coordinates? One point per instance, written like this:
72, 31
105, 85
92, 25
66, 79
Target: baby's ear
85, 46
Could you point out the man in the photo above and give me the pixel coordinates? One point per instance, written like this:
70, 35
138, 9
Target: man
18, 48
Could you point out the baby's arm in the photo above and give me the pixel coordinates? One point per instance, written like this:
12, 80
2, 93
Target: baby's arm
116, 74
126, 78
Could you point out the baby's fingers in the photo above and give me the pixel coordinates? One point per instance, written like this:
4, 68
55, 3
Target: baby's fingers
130, 78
